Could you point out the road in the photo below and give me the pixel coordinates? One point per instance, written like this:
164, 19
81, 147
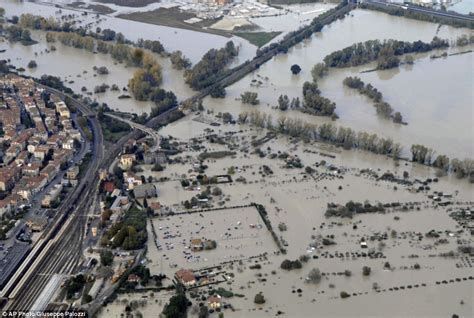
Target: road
60, 248
426, 11
149, 131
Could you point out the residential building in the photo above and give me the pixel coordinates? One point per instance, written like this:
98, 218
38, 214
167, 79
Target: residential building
214, 302
185, 277
126, 161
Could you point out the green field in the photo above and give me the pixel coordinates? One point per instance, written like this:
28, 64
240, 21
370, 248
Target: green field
257, 38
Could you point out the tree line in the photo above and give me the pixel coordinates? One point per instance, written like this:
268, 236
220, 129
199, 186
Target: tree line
384, 52
383, 109
211, 67
349, 139
31, 21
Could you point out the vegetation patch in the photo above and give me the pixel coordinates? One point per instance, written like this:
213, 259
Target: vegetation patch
216, 155
384, 52
258, 39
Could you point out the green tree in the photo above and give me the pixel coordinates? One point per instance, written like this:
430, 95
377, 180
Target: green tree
106, 257
259, 299
250, 98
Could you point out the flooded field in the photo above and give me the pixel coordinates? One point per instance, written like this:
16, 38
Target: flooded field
406, 263
236, 231
70, 64
193, 44
463, 6
148, 304
424, 104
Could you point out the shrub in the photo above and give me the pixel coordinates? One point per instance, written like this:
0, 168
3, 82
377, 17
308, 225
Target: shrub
344, 295
366, 270
259, 299
314, 276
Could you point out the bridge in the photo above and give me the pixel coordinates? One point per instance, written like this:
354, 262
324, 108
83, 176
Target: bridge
150, 131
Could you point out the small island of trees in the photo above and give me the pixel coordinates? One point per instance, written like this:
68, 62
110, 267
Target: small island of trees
386, 53
211, 67
383, 109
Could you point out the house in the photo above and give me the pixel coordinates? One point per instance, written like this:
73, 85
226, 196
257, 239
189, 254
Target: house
64, 112
146, 190
72, 173
102, 174
126, 161
32, 169
196, 245
53, 194
120, 204
37, 183
49, 171
185, 277
214, 302
69, 144
54, 141
40, 152
22, 158
131, 180
22, 191
6, 180
133, 278
155, 207
11, 153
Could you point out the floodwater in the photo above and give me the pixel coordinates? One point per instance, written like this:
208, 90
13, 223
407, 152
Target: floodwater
193, 44
463, 6
298, 15
300, 202
439, 111
69, 64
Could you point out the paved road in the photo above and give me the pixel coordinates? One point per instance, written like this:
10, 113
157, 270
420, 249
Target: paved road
426, 11
149, 131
